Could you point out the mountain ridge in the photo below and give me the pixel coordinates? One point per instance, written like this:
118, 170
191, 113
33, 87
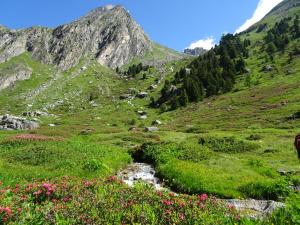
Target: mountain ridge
107, 34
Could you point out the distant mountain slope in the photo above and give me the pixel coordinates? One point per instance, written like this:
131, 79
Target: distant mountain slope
107, 34
195, 51
284, 6
266, 45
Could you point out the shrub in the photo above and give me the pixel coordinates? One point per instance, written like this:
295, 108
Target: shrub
227, 144
92, 165
164, 152
270, 190
107, 201
254, 137
131, 122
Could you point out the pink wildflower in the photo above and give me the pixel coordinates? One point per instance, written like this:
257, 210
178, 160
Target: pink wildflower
203, 197
167, 202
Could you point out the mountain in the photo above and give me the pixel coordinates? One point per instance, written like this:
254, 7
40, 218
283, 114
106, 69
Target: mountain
194, 51
284, 6
107, 34
230, 135
217, 71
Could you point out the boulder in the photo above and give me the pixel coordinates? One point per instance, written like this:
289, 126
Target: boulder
143, 117
142, 94
36, 114
152, 87
268, 68
126, 96
156, 122
9, 122
151, 129
140, 112
255, 208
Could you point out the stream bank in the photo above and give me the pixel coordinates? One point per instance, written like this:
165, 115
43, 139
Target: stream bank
143, 172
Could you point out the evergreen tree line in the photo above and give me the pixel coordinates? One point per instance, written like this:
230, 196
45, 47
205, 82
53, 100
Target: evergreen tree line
136, 69
210, 74
281, 34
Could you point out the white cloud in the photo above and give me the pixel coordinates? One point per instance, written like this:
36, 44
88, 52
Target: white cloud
206, 43
263, 8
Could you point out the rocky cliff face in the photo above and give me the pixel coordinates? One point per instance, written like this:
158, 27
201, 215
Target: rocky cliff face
194, 51
8, 76
107, 34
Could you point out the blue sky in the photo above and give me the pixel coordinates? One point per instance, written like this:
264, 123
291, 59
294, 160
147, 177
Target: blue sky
174, 23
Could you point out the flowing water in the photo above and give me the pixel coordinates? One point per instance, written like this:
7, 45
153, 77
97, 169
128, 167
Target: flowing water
144, 172
137, 172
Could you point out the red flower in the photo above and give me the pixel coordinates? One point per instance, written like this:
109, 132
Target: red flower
203, 197
6, 210
38, 192
88, 183
167, 202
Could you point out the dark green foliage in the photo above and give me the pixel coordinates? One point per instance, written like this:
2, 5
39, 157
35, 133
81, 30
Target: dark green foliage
184, 99
254, 137
227, 144
210, 74
240, 65
193, 88
296, 27
163, 152
261, 27
175, 103
136, 69
280, 35
271, 49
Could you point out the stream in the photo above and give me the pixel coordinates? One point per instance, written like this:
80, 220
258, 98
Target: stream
138, 172
143, 172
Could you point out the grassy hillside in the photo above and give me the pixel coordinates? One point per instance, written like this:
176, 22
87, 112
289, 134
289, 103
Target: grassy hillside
229, 145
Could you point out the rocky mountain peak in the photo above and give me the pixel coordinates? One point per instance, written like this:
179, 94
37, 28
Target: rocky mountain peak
107, 34
195, 51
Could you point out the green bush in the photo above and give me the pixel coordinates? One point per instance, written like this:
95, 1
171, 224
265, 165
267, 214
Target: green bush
164, 152
92, 165
254, 137
270, 190
227, 144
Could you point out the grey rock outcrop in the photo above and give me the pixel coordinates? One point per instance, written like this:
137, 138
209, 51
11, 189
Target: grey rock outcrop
255, 208
107, 34
8, 76
151, 129
194, 51
9, 122
36, 114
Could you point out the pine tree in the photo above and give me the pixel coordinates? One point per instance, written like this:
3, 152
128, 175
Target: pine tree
184, 99
271, 49
240, 65
296, 27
